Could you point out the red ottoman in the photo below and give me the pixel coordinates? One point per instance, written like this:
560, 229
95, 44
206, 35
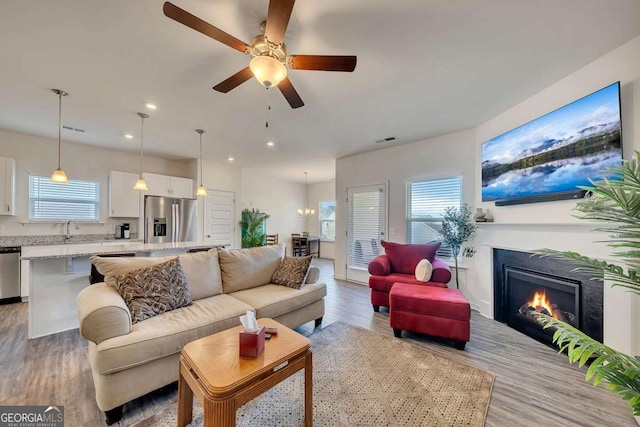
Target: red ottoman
439, 312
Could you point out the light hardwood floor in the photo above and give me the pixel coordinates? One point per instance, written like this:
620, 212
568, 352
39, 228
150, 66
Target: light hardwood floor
533, 384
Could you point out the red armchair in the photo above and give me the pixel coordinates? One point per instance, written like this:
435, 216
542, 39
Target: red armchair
398, 264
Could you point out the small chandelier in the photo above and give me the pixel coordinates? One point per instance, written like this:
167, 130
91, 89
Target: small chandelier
201, 190
140, 183
58, 175
306, 211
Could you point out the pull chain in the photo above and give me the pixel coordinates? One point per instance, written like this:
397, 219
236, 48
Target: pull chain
266, 123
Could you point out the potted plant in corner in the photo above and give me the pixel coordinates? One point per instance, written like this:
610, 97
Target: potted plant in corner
616, 202
457, 228
254, 228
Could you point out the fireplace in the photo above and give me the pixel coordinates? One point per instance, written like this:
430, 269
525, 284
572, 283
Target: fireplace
526, 285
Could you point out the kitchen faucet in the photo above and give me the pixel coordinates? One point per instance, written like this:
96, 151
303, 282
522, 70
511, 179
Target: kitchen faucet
67, 237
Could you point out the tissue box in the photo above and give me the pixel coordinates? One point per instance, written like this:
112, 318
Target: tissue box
252, 343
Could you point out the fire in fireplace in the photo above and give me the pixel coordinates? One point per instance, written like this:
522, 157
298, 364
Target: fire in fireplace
525, 286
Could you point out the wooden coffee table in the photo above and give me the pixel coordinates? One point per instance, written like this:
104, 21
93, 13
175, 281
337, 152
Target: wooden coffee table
212, 369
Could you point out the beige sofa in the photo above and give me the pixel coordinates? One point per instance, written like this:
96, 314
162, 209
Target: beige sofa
128, 361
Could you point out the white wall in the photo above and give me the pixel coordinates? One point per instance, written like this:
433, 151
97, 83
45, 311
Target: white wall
523, 227
620, 313
316, 193
39, 156
279, 198
441, 157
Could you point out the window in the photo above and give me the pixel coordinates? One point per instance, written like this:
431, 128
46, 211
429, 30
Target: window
52, 201
426, 202
328, 221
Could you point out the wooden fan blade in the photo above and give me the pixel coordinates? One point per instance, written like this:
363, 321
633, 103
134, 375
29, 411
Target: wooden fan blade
234, 81
290, 93
278, 19
182, 16
322, 62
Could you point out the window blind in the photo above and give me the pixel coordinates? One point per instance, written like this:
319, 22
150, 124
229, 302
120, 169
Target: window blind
426, 203
365, 227
52, 201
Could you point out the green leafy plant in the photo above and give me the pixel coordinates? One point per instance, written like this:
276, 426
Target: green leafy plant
616, 202
457, 228
254, 228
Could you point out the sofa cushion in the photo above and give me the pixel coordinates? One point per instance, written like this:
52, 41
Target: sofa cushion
275, 300
384, 283
424, 270
203, 273
247, 268
201, 268
154, 290
292, 271
405, 257
167, 333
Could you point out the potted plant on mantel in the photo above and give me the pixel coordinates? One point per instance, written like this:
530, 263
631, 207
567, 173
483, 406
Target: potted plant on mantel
457, 228
616, 202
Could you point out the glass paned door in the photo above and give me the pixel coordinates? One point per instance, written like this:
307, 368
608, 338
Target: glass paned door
366, 226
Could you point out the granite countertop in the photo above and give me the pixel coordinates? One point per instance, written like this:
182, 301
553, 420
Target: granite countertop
113, 246
59, 239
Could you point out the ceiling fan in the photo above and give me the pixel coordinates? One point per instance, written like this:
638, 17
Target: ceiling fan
269, 58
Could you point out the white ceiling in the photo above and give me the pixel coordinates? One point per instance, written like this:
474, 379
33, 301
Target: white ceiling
425, 68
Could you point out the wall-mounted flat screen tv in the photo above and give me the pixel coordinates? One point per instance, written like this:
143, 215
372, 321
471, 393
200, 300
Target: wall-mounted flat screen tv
549, 157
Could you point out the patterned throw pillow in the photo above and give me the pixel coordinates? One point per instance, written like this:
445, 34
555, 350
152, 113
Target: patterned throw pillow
154, 290
292, 271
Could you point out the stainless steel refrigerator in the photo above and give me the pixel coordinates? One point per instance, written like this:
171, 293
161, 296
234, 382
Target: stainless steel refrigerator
169, 220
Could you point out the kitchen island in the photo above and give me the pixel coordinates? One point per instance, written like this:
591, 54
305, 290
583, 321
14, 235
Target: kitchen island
51, 277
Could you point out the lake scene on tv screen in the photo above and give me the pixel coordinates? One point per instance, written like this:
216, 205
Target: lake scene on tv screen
557, 152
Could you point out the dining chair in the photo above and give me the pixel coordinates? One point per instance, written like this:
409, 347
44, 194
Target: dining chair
299, 245
272, 239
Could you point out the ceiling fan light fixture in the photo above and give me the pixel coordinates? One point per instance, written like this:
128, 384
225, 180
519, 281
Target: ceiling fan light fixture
268, 70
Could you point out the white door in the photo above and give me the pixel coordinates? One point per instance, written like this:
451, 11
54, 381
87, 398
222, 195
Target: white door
219, 218
366, 226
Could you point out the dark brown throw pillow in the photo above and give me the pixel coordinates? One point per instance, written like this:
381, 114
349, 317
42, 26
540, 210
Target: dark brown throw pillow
154, 290
292, 272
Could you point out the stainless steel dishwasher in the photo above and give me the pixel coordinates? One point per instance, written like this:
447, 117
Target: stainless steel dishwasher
9, 274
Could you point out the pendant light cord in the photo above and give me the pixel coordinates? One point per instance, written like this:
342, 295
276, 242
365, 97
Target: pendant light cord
59, 126
141, 145
200, 158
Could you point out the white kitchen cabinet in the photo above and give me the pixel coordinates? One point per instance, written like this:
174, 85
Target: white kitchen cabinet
7, 186
124, 201
169, 186
182, 187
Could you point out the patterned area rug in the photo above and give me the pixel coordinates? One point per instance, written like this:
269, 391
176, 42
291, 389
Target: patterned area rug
363, 378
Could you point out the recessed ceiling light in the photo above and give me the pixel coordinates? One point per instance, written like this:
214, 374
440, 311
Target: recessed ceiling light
231, 159
151, 106
128, 136
271, 144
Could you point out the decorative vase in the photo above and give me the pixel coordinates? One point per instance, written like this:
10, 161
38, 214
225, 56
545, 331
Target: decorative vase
479, 215
488, 217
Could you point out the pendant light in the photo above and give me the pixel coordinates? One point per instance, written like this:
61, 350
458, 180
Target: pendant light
306, 211
140, 183
58, 175
201, 190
